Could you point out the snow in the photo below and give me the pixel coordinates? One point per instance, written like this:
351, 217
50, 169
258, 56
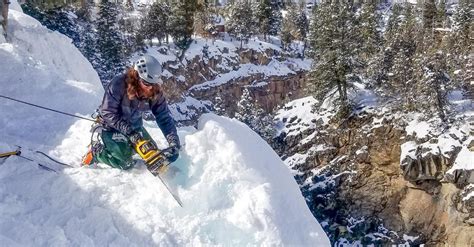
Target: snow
274, 68
181, 78
434, 138
419, 128
31, 72
362, 150
224, 184
259, 84
162, 58
469, 195
464, 160
462, 105
306, 118
301, 109
234, 187
409, 238
188, 109
362, 96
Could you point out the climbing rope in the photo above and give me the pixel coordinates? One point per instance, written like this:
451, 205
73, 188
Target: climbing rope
46, 108
54, 160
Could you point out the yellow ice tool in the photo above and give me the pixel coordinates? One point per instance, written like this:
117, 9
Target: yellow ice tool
152, 156
8, 154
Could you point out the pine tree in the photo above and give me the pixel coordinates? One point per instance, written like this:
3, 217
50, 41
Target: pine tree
109, 41
369, 31
264, 12
130, 26
204, 22
289, 30
156, 22
432, 89
219, 105
276, 17
393, 23
429, 14
315, 26
302, 25
245, 109
181, 22
88, 43
250, 113
402, 74
441, 20
383, 62
337, 58
240, 22
461, 38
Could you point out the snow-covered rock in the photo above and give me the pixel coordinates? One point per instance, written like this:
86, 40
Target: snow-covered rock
379, 166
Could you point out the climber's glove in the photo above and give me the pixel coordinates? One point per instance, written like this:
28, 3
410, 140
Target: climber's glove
172, 152
135, 137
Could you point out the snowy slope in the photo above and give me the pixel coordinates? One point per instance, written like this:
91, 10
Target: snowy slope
234, 187
42, 67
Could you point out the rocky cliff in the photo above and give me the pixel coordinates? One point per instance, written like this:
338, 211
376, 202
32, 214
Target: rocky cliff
382, 176
221, 68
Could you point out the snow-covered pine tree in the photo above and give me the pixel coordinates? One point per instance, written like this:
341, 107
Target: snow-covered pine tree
402, 74
461, 45
370, 35
253, 115
429, 14
155, 23
276, 18
241, 23
245, 109
302, 25
181, 22
263, 14
336, 45
313, 29
88, 44
442, 20
289, 31
129, 24
383, 62
109, 41
204, 21
426, 34
467, 77
433, 86
393, 23
219, 105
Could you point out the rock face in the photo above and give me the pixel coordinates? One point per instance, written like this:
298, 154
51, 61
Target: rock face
358, 182
271, 76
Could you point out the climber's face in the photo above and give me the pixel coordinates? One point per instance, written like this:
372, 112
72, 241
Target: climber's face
147, 89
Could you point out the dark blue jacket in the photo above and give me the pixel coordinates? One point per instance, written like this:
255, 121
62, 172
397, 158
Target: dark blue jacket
125, 116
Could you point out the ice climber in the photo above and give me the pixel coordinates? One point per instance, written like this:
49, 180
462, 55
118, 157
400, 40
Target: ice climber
126, 98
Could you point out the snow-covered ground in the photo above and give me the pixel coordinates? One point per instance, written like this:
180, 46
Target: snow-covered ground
234, 187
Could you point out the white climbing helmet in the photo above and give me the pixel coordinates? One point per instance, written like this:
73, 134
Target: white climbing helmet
149, 69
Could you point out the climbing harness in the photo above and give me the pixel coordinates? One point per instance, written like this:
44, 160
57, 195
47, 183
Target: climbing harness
96, 144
